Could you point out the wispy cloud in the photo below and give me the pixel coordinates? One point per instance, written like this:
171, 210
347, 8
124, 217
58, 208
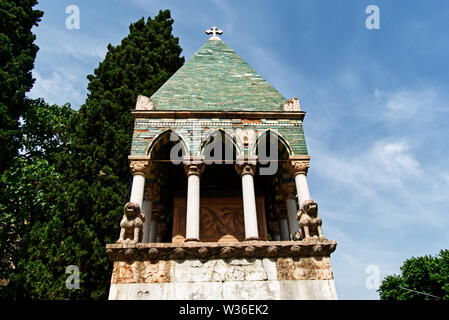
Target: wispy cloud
404, 104
59, 88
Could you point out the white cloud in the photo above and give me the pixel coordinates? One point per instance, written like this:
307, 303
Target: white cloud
58, 87
70, 43
384, 163
405, 104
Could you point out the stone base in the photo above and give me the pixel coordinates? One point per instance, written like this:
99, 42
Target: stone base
231, 290
230, 279
295, 270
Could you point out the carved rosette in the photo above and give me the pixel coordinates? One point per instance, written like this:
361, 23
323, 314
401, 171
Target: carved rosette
140, 167
288, 190
296, 167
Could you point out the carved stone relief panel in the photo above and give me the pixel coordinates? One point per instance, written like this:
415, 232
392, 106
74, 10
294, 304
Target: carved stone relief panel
221, 219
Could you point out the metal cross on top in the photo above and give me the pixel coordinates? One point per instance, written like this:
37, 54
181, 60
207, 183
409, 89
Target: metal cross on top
214, 33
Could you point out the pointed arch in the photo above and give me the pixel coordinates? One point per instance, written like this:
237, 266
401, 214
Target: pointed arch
262, 136
165, 137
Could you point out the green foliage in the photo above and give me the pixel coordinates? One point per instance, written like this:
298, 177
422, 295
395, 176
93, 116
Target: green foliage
31, 186
28, 189
45, 129
426, 274
17, 54
91, 161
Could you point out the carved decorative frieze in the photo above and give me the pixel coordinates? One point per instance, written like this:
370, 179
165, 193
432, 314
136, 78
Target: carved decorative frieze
141, 167
221, 219
215, 250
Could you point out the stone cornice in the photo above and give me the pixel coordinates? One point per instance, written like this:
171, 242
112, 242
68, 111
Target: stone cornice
220, 250
185, 114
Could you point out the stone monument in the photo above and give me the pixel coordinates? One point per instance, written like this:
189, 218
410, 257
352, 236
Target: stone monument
220, 206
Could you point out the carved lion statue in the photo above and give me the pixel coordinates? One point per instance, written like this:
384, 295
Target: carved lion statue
309, 221
131, 224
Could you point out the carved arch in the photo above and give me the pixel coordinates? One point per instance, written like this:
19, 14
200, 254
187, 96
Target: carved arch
167, 135
262, 136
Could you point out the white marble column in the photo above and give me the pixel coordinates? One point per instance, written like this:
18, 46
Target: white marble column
193, 169
139, 170
298, 167
289, 194
246, 170
147, 209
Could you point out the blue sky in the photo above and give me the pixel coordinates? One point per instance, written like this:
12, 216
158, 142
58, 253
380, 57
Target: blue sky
376, 101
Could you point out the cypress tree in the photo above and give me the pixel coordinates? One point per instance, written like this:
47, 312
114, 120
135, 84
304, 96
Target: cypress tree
93, 185
17, 55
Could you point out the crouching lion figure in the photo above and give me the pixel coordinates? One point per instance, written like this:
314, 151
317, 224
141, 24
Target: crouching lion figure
131, 224
309, 221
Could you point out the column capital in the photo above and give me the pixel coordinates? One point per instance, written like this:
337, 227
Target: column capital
298, 165
288, 190
140, 167
246, 165
194, 166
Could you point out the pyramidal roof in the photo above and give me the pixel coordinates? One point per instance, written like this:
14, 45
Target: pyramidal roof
216, 78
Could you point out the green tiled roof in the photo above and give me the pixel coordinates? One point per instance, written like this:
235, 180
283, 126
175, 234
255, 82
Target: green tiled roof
216, 78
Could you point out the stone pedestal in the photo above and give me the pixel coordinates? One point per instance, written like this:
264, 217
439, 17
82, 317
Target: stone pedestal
209, 270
